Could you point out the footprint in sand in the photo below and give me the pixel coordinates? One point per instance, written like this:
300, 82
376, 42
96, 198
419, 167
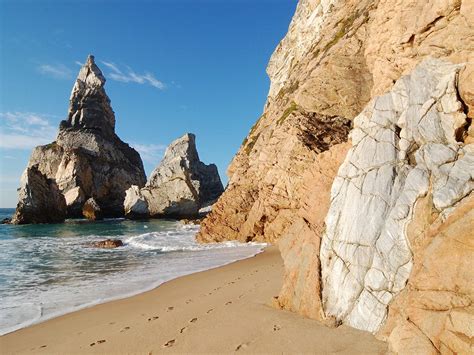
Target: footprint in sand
189, 301
193, 320
100, 341
276, 327
210, 310
182, 330
153, 318
43, 346
123, 330
170, 309
240, 296
241, 346
230, 302
169, 343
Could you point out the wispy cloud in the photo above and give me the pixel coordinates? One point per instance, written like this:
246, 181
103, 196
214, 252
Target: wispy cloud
25, 130
130, 76
57, 71
150, 153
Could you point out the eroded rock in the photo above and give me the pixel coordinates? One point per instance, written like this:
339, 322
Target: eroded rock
88, 159
40, 200
107, 244
91, 210
179, 186
404, 145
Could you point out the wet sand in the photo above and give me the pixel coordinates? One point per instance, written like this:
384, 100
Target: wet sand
224, 310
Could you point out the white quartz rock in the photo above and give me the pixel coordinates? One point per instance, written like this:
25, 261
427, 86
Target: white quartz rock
404, 144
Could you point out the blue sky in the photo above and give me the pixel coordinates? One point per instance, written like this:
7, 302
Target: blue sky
171, 67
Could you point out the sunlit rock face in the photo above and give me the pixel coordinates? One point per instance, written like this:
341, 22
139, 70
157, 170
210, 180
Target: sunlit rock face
336, 56
179, 186
40, 200
88, 160
404, 145
341, 60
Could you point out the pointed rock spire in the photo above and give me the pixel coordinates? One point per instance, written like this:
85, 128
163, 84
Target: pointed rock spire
89, 106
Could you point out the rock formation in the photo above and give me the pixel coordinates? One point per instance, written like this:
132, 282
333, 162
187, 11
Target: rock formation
404, 146
360, 220
107, 244
91, 210
88, 160
40, 200
179, 186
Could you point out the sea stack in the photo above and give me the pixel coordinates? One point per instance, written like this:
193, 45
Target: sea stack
87, 160
179, 186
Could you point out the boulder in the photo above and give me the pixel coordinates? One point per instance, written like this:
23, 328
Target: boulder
135, 204
107, 244
40, 200
178, 187
88, 159
91, 210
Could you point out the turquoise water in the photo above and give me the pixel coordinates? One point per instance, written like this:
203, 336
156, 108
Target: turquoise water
49, 270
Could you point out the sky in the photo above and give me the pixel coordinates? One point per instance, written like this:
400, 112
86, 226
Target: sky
171, 66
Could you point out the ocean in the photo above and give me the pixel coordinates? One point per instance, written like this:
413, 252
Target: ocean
49, 270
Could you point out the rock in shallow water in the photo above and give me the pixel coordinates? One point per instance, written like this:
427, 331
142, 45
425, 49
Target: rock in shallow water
107, 244
88, 159
40, 200
178, 187
91, 210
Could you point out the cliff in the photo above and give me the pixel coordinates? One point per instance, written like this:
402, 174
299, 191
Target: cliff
88, 160
345, 208
178, 187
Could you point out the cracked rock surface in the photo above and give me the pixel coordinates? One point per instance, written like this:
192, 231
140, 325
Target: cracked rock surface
40, 200
179, 186
404, 146
88, 160
335, 58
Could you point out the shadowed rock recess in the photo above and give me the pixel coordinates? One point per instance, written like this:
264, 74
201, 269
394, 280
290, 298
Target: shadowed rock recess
374, 226
87, 160
179, 186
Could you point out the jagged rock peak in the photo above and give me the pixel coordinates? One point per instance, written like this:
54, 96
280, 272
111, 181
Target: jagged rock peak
182, 149
89, 105
179, 186
90, 73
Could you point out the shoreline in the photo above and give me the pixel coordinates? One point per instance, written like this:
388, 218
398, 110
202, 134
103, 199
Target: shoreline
224, 309
116, 297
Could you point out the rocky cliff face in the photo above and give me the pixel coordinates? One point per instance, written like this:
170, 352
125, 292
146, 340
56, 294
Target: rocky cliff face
88, 160
179, 186
342, 207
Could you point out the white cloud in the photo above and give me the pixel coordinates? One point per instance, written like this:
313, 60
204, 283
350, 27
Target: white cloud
129, 76
25, 130
150, 153
57, 71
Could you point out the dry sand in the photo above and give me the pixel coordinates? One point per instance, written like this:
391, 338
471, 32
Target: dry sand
223, 310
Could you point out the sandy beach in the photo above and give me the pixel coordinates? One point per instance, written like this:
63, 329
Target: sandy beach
223, 310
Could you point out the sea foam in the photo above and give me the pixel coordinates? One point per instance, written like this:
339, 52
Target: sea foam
45, 276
